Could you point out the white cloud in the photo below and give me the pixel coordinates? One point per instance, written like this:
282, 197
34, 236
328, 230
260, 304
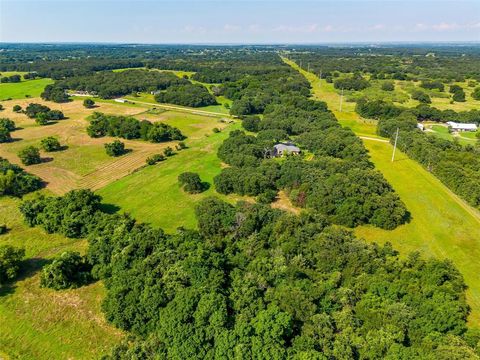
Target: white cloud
230, 27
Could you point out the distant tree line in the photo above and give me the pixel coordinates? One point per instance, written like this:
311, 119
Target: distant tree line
130, 128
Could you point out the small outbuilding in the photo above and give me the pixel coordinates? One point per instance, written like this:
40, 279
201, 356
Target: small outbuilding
285, 149
462, 126
420, 126
121, 100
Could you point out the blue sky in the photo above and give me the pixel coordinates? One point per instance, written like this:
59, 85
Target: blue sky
234, 21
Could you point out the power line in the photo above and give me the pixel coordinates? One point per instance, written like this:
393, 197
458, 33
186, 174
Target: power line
395, 145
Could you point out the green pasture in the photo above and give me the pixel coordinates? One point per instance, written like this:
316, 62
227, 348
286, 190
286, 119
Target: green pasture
153, 195
41, 323
23, 89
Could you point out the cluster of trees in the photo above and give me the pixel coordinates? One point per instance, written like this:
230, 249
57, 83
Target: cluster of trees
130, 128
10, 261
69, 270
50, 144
30, 155
339, 182
259, 283
108, 85
476, 93
253, 94
193, 95
356, 83
15, 181
191, 183
432, 85
42, 113
379, 109
421, 96
458, 167
6, 127
11, 79
115, 148
458, 93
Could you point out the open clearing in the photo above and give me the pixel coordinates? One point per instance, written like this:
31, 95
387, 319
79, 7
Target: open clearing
153, 195
84, 164
23, 89
41, 323
442, 224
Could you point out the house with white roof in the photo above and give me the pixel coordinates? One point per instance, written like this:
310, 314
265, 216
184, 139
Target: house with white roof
454, 126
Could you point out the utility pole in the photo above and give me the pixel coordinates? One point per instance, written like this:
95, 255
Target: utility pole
395, 145
341, 100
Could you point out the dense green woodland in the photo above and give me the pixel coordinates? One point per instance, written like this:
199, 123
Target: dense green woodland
255, 282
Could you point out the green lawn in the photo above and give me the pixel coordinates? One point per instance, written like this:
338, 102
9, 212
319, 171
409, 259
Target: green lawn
38, 323
23, 89
153, 195
442, 224
464, 138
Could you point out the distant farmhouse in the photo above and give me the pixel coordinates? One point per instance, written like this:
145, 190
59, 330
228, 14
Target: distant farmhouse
121, 100
285, 149
461, 126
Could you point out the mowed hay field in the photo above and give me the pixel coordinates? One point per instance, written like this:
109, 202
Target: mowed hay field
37, 323
153, 195
84, 164
442, 224
23, 89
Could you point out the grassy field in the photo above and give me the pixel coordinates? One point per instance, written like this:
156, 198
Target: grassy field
84, 163
153, 195
23, 89
441, 131
442, 225
41, 323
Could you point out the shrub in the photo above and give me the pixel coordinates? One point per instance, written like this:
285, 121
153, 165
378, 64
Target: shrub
4, 135
152, 160
50, 144
421, 97
69, 270
476, 93
432, 84
88, 103
267, 197
216, 130
115, 148
30, 155
3, 229
388, 86
10, 259
168, 151
7, 124
191, 182
17, 108
42, 119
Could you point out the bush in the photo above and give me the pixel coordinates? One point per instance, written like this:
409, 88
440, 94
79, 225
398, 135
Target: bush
10, 259
216, 130
30, 155
432, 84
115, 148
3, 229
50, 144
7, 124
69, 270
476, 93
267, 197
421, 97
152, 160
181, 145
191, 182
4, 135
388, 86
168, 151
251, 123
17, 108
88, 103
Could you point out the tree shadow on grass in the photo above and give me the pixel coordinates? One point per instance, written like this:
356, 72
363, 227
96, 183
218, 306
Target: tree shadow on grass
109, 208
28, 268
47, 159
